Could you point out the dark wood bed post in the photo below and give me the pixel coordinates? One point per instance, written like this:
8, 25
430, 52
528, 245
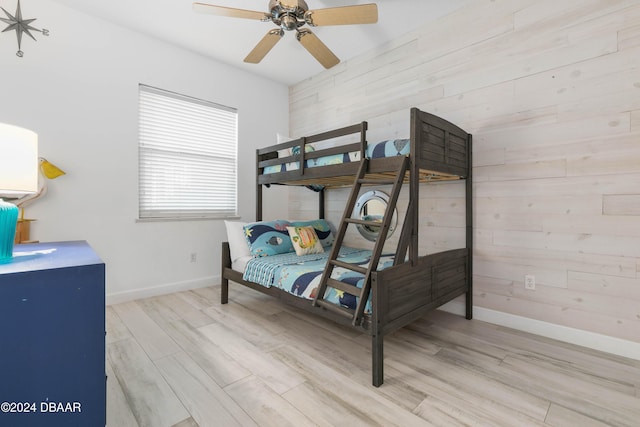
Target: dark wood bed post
377, 339
469, 231
258, 188
321, 204
377, 356
416, 134
224, 282
363, 139
259, 202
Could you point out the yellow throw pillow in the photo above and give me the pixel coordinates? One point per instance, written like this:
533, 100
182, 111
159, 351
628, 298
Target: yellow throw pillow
305, 240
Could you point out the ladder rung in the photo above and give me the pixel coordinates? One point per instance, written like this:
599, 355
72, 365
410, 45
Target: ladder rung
364, 222
376, 181
346, 312
349, 266
342, 286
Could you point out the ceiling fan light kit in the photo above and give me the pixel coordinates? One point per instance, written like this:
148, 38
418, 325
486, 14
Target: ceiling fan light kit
290, 15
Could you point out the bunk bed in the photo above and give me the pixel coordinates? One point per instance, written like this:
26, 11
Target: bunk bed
410, 285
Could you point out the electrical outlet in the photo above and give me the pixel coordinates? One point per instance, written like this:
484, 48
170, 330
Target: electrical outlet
193, 257
530, 282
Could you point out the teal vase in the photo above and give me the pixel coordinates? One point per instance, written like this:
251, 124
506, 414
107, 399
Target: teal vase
8, 221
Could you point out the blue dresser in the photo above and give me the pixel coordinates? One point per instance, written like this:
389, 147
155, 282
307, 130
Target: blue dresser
52, 336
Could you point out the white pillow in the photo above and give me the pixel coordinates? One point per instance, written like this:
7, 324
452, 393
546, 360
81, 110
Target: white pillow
237, 242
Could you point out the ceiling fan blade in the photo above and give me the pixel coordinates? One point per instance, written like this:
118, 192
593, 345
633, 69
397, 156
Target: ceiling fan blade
264, 46
229, 11
316, 48
347, 15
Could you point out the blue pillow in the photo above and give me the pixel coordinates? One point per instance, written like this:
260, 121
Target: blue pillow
322, 228
268, 238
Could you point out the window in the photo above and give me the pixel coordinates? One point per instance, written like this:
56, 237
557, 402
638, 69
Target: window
187, 157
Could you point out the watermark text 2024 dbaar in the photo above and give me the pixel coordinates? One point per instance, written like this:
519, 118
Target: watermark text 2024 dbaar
33, 407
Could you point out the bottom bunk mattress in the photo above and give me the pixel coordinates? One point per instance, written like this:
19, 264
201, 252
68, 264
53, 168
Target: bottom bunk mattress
300, 275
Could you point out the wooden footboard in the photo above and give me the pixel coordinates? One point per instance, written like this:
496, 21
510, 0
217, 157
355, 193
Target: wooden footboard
404, 293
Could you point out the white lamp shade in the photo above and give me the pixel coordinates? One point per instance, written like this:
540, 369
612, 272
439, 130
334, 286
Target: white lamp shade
18, 161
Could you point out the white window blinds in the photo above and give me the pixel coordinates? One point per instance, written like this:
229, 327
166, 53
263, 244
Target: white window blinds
187, 157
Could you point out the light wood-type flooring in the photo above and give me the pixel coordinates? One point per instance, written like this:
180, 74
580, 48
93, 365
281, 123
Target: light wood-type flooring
186, 360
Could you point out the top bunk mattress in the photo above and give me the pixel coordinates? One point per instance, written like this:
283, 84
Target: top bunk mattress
389, 148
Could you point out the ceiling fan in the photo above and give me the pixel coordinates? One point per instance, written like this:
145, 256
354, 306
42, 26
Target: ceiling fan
290, 15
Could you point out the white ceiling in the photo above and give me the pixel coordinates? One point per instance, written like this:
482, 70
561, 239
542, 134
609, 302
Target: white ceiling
230, 39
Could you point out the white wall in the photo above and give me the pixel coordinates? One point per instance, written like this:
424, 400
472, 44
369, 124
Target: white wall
78, 89
550, 91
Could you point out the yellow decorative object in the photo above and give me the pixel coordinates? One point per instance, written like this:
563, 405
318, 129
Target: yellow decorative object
50, 170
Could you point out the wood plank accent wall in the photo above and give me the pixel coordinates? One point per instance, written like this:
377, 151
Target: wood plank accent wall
550, 91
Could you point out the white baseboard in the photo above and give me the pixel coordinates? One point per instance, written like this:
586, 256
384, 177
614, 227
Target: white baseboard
164, 289
579, 337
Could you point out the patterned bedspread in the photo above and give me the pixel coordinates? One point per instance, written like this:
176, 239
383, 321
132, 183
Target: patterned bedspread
300, 275
390, 148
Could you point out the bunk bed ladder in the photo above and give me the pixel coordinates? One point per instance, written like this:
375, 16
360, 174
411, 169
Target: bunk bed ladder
326, 280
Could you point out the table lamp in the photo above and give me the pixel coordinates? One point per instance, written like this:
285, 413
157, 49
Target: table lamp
18, 176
